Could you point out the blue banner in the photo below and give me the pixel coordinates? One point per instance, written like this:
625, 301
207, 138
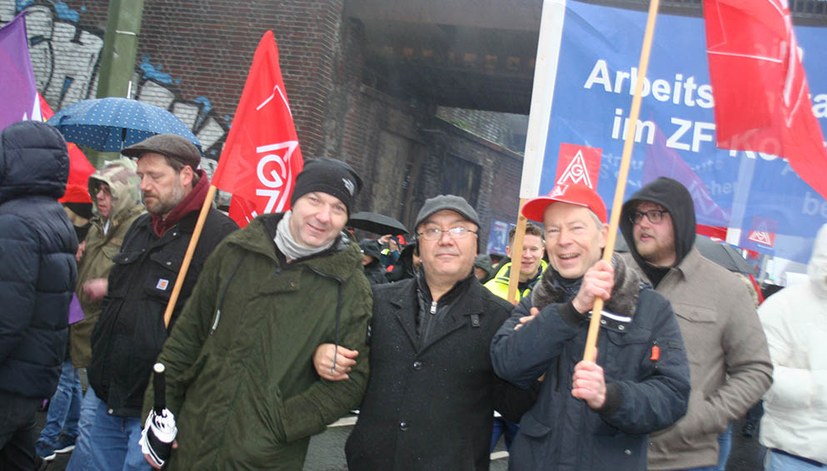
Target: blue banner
776, 212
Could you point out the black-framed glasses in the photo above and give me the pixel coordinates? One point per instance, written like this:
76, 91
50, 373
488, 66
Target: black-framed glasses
653, 215
435, 233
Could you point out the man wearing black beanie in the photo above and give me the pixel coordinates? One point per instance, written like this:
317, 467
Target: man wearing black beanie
238, 363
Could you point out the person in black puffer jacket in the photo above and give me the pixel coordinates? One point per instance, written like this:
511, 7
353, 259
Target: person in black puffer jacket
37, 277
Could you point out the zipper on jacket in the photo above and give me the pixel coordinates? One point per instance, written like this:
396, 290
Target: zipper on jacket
433, 308
223, 293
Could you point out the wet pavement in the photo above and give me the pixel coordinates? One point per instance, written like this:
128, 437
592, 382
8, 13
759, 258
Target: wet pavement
326, 451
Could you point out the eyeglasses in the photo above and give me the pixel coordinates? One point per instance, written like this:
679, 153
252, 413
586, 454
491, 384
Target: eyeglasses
435, 233
653, 215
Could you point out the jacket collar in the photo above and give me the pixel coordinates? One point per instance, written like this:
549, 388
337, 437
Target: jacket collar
258, 237
627, 286
466, 304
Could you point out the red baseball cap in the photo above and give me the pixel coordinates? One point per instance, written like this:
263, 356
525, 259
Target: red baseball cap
580, 195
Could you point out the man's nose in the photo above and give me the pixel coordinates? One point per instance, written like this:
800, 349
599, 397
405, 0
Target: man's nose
324, 214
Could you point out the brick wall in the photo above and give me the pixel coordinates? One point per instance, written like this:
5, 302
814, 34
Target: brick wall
397, 145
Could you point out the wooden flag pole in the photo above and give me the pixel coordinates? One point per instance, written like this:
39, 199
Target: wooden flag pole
185, 265
516, 251
590, 353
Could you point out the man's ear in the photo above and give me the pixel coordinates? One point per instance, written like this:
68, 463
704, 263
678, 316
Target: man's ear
187, 176
604, 235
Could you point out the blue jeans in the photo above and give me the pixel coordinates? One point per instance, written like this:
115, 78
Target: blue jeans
778, 462
64, 408
113, 440
79, 460
503, 427
724, 447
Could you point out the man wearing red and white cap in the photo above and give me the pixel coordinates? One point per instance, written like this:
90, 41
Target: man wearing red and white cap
589, 416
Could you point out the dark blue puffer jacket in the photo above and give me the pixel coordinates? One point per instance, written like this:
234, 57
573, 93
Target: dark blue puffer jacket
37, 259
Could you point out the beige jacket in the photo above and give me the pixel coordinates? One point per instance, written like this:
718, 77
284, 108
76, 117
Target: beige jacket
729, 362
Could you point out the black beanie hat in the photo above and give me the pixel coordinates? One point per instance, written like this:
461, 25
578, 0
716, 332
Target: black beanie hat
330, 176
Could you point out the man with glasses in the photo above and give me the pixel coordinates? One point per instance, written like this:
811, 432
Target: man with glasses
728, 356
432, 390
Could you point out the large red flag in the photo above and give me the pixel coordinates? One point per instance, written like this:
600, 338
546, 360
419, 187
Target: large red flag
261, 157
762, 100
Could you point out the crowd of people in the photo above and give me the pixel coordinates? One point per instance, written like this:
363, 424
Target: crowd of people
285, 325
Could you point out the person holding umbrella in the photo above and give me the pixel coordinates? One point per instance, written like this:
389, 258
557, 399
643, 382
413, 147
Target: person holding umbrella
130, 332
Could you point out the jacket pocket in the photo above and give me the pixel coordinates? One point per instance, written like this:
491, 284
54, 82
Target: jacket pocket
698, 329
162, 273
622, 349
532, 427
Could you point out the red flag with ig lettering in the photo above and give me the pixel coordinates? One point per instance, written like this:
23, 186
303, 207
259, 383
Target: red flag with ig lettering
762, 100
261, 157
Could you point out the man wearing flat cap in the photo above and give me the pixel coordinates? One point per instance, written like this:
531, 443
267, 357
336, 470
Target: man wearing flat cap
130, 332
589, 415
432, 390
239, 371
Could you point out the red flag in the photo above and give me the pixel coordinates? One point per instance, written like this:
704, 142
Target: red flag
261, 157
77, 187
762, 100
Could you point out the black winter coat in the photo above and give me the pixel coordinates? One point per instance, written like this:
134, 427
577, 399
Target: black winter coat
429, 408
130, 332
37, 259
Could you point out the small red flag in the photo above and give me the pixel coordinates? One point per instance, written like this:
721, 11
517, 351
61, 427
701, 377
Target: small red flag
261, 157
77, 187
762, 100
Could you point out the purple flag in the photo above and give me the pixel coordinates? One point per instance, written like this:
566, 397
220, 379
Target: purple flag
18, 91
75, 310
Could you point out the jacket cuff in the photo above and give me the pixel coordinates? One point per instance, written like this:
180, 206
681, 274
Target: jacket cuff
570, 315
613, 398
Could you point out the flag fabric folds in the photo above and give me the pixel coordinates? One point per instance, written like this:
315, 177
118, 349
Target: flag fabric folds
762, 100
80, 169
261, 157
18, 91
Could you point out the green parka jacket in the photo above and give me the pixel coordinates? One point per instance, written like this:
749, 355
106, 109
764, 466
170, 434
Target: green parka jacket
239, 363
100, 247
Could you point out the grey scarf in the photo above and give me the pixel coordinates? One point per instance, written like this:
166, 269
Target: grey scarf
289, 246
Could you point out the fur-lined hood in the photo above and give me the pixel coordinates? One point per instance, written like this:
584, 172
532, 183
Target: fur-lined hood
627, 286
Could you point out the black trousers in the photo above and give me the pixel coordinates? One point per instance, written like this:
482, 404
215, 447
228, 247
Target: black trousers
17, 431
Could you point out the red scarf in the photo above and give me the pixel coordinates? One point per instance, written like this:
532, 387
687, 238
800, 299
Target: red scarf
191, 202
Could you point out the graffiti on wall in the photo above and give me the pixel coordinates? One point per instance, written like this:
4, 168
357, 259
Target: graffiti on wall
66, 62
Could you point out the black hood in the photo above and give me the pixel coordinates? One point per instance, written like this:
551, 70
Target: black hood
673, 196
33, 161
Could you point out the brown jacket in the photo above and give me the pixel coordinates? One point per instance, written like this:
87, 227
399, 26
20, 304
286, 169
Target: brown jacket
729, 362
96, 261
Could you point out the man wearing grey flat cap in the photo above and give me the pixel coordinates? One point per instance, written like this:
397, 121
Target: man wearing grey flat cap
238, 364
432, 390
130, 331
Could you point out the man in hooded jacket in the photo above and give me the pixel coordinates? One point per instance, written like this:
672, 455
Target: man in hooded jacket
116, 204
37, 276
729, 361
794, 426
589, 415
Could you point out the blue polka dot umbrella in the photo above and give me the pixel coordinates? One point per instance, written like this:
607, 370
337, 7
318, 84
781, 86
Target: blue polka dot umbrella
110, 124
